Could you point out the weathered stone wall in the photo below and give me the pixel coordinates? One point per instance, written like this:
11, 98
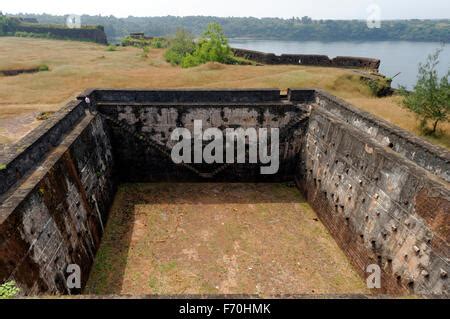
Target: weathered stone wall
308, 59
55, 216
92, 34
381, 207
193, 96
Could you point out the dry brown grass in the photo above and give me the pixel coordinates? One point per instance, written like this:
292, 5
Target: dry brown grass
75, 66
169, 238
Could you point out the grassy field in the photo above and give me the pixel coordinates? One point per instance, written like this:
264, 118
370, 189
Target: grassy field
75, 66
201, 238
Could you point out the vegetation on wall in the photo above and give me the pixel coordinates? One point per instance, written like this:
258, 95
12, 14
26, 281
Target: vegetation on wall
82, 61
430, 99
268, 28
47, 35
9, 290
156, 43
111, 48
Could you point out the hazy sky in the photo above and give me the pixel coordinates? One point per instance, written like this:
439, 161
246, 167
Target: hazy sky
318, 9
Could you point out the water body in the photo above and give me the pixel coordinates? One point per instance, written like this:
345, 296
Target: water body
395, 56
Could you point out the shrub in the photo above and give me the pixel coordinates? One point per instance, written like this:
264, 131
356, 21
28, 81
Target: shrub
8, 290
23, 34
430, 99
44, 116
126, 41
111, 48
380, 86
180, 46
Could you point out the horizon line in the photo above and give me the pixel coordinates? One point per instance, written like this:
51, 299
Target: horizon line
220, 17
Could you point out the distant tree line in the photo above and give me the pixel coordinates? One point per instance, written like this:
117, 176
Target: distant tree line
267, 28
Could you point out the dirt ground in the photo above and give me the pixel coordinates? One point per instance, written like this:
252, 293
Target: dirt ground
218, 239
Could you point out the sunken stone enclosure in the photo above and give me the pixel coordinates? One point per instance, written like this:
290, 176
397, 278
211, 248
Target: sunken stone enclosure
382, 193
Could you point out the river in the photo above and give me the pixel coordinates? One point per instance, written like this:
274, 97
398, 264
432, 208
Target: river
395, 56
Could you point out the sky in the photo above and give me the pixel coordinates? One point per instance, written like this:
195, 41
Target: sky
317, 9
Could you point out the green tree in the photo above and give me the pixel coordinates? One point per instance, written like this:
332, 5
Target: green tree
430, 99
180, 46
212, 47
